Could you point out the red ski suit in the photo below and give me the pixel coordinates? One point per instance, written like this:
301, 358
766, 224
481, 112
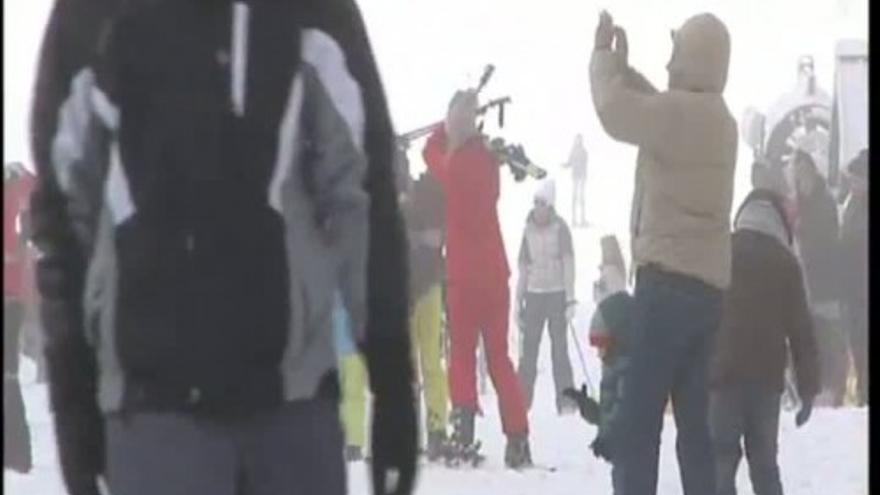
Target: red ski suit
478, 273
17, 262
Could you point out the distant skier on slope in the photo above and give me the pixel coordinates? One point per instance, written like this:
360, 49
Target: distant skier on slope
577, 162
687, 142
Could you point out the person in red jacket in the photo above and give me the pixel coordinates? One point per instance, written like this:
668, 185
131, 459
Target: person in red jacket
17, 186
478, 273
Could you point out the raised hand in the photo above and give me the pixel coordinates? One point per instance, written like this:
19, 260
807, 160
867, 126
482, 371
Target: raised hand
621, 45
604, 32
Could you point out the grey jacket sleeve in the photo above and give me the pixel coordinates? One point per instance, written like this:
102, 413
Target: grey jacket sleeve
627, 114
524, 260
334, 115
568, 269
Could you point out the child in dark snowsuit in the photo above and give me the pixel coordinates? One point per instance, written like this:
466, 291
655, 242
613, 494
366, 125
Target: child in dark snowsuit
610, 334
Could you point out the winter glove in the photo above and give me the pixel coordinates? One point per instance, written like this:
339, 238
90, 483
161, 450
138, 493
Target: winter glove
394, 432
587, 406
570, 309
604, 32
803, 415
600, 448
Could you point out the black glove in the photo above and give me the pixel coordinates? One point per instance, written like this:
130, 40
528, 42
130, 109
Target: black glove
394, 433
803, 415
587, 406
600, 448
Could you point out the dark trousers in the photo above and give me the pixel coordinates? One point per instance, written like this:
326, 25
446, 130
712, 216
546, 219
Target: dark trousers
540, 310
675, 321
578, 207
294, 449
16, 436
749, 415
856, 320
831, 340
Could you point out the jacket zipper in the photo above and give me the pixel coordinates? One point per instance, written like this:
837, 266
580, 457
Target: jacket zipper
238, 67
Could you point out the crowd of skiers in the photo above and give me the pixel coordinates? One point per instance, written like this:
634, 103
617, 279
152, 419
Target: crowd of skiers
233, 257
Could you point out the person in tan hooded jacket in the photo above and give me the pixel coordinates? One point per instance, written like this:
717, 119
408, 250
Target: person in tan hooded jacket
681, 248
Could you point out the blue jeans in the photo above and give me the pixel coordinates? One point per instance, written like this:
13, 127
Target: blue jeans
675, 320
746, 414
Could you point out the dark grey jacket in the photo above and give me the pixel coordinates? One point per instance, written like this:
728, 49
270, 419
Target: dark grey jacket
209, 176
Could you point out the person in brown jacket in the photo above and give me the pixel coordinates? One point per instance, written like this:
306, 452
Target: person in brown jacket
680, 235
765, 317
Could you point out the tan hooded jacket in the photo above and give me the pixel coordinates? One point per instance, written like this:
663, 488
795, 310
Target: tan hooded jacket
687, 143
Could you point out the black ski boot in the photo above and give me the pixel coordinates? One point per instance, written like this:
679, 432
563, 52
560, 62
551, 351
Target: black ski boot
461, 447
438, 445
353, 453
518, 455
565, 406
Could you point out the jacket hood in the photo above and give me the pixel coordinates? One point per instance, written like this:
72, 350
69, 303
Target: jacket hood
700, 55
761, 214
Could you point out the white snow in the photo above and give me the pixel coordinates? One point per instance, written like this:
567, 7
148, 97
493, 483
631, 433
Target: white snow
827, 456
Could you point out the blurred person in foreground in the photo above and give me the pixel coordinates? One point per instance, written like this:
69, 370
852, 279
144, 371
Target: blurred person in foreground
680, 227
577, 162
202, 193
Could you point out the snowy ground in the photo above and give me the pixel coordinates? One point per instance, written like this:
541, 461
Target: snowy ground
828, 456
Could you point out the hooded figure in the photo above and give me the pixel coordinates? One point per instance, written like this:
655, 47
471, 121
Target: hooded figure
680, 232
765, 319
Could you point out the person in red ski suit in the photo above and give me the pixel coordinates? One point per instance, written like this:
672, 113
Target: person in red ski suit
17, 186
478, 273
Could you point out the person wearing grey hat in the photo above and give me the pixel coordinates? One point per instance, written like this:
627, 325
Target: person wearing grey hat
765, 317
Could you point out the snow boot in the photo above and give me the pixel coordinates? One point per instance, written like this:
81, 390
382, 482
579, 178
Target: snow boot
518, 455
438, 445
565, 406
462, 426
461, 447
353, 453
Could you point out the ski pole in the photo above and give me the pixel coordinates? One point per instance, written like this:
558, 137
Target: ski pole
583, 361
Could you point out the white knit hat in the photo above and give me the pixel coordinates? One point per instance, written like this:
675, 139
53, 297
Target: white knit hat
546, 192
